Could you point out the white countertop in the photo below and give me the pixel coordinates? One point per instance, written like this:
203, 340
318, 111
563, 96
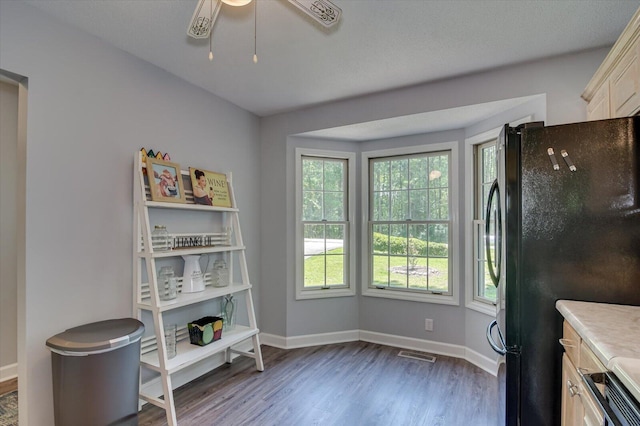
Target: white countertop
612, 332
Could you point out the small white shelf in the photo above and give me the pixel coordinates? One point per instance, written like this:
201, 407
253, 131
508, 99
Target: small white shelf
186, 299
188, 354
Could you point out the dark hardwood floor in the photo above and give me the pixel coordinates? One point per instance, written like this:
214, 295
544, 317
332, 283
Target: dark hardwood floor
355, 383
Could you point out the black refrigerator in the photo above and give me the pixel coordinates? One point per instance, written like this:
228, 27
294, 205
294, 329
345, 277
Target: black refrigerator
562, 222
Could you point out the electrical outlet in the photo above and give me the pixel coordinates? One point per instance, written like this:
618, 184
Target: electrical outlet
428, 324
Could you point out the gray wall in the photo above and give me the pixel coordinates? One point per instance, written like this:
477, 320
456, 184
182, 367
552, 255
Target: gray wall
8, 212
91, 108
561, 80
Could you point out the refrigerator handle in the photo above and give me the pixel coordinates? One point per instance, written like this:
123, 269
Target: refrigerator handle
501, 350
493, 273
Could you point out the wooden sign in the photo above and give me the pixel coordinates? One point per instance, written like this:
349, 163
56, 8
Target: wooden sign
210, 188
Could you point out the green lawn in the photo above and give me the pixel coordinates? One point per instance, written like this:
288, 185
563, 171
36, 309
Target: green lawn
437, 280
314, 267
314, 272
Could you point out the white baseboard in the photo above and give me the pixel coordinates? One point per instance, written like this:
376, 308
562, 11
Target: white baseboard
8, 372
487, 364
456, 351
309, 339
430, 346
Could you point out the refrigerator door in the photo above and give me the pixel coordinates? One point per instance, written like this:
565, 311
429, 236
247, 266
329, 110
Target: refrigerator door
573, 232
502, 333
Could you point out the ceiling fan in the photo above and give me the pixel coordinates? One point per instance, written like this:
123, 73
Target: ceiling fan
322, 11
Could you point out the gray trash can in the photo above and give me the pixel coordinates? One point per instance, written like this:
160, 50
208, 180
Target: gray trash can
96, 370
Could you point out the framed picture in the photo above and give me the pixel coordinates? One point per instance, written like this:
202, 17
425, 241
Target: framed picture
210, 188
165, 181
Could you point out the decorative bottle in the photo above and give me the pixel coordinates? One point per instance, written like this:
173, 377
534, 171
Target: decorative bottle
228, 312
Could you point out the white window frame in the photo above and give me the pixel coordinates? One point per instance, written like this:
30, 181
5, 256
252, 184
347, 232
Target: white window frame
350, 237
472, 301
454, 251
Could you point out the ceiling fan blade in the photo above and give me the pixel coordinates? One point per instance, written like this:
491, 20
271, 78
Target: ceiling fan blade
323, 11
203, 18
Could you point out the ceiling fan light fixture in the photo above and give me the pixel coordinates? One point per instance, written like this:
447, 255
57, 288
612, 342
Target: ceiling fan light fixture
236, 2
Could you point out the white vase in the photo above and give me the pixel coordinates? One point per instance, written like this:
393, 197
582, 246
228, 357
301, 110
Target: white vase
192, 281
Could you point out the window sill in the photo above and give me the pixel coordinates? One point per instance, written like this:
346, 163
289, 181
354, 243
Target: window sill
324, 294
412, 296
483, 308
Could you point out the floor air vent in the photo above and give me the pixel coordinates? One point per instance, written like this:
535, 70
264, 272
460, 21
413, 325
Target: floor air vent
417, 355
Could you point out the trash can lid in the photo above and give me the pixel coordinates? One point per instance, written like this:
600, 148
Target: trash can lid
97, 337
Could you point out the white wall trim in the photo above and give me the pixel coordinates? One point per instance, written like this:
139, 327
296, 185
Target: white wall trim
310, 339
8, 372
456, 351
430, 346
487, 364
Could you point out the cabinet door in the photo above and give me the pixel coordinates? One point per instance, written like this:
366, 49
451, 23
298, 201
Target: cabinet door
592, 414
572, 409
571, 342
625, 85
598, 107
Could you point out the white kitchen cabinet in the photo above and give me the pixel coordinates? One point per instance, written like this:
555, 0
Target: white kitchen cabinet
614, 90
221, 225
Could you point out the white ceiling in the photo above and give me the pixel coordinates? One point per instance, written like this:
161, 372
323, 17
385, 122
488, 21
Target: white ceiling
378, 45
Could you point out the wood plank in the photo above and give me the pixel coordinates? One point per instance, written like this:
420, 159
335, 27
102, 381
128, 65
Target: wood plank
339, 384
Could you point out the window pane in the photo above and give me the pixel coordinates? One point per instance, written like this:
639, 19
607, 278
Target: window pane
418, 273
489, 163
438, 274
381, 176
399, 174
381, 203
398, 240
380, 275
311, 205
399, 205
438, 204
334, 206
485, 198
334, 175
398, 272
439, 171
335, 267
313, 239
418, 173
438, 240
313, 270
418, 204
381, 239
311, 174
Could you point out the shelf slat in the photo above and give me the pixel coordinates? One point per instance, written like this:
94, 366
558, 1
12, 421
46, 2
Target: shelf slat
188, 354
183, 206
189, 251
186, 299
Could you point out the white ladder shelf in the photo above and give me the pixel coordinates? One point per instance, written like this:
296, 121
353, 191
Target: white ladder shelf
146, 297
